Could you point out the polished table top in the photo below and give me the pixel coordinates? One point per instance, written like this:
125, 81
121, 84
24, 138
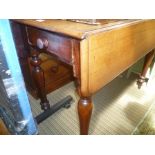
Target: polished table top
75, 29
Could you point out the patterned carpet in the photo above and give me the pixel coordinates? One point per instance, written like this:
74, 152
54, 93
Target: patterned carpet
119, 109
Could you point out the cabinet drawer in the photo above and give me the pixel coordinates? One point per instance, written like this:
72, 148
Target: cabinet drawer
53, 43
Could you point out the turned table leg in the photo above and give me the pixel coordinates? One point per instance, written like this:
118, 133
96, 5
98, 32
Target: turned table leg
84, 110
147, 62
39, 80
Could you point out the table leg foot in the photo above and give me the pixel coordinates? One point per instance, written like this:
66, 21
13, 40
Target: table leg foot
84, 110
141, 80
147, 62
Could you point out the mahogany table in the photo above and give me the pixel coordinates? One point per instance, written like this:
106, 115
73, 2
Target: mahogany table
97, 52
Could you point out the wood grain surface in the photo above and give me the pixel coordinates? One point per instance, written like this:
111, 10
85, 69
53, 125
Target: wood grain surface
73, 29
112, 52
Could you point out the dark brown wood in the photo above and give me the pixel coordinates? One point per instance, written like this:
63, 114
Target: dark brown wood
19, 35
84, 110
76, 58
53, 43
76, 63
3, 129
147, 62
85, 105
23, 49
39, 79
56, 73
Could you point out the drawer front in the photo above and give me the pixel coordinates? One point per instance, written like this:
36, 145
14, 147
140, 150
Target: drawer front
54, 43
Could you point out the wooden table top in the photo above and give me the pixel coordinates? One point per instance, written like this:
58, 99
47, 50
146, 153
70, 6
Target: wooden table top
75, 29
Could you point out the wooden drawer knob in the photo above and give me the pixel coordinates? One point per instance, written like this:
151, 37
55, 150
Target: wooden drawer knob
42, 43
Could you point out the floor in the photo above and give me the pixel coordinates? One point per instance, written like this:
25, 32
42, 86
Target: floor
120, 108
147, 127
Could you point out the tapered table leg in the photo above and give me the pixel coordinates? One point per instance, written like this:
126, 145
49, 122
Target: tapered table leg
147, 62
84, 110
39, 80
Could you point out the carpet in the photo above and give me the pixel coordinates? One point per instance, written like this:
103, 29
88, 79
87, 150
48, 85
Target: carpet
119, 108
